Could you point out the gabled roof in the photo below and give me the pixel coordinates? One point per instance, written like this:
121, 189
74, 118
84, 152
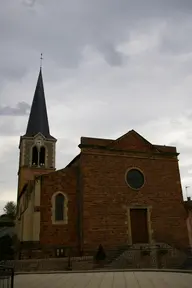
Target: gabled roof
38, 119
132, 140
128, 141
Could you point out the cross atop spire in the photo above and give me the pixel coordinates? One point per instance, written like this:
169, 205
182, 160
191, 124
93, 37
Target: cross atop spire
41, 60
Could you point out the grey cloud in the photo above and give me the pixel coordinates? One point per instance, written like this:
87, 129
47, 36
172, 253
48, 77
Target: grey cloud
8, 184
177, 37
185, 163
9, 162
29, 3
22, 108
65, 159
10, 72
185, 170
2, 205
111, 55
9, 126
62, 30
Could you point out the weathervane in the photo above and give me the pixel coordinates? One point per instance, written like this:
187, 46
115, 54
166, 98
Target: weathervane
41, 60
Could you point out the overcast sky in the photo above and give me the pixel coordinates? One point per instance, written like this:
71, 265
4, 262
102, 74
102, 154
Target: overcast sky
109, 66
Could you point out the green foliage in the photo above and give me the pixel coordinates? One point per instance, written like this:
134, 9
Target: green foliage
10, 209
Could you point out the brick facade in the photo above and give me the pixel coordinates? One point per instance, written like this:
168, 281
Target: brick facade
29, 173
188, 206
55, 235
99, 196
107, 196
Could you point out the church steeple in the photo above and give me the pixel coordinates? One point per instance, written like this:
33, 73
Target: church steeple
37, 146
38, 119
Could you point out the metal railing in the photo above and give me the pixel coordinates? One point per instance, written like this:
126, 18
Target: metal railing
6, 276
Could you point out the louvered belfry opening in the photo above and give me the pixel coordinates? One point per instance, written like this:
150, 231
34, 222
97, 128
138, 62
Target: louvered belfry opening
35, 156
42, 156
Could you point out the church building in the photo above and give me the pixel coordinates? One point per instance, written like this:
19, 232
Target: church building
117, 193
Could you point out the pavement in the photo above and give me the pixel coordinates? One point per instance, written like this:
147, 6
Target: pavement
123, 279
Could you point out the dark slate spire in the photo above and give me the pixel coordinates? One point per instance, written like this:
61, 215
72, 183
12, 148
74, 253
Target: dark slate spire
38, 120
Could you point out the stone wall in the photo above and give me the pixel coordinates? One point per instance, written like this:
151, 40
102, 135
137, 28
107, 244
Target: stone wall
52, 264
146, 256
161, 256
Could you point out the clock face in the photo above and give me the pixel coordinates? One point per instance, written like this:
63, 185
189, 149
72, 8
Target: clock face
135, 179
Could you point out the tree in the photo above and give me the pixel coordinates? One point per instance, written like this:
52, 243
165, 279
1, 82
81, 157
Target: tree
10, 209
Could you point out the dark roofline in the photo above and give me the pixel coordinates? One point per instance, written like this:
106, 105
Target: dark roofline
113, 140
95, 138
159, 148
25, 186
74, 160
164, 146
39, 133
121, 150
23, 190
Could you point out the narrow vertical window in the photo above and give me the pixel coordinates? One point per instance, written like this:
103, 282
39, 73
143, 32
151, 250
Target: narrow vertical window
35, 156
59, 207
42, 156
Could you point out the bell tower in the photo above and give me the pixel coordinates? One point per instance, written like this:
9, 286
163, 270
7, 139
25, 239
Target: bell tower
37, 146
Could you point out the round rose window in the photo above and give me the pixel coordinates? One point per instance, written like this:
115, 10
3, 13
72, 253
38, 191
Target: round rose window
135, 178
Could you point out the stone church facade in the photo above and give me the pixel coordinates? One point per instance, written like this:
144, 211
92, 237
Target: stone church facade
114, 192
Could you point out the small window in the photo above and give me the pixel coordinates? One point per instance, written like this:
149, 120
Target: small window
60, 252
59, 207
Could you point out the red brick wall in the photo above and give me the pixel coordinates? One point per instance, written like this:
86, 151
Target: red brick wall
29, 173
59, 235
189, 226
106, 196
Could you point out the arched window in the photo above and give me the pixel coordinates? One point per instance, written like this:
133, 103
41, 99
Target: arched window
34, 156
59, 208
42, 156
